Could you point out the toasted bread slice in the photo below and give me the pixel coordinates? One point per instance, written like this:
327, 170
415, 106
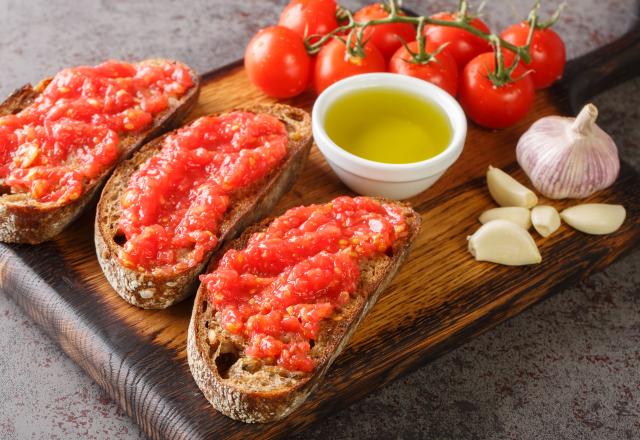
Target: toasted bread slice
150, 291
25, 220
242, 389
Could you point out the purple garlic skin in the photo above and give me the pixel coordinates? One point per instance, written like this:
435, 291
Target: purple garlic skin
569, 157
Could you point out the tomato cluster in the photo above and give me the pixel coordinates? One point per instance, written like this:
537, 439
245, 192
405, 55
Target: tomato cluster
282, 60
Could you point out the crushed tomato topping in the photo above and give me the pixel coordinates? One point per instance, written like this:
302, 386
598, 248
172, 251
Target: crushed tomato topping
306, 265
175, 201
69, 135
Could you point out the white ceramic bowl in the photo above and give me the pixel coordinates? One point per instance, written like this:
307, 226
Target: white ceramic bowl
394, 181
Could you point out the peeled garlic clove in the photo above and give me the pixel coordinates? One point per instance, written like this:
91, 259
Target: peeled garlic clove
504, 242
507, 191
545, 219
519, 216
595, 218
568, 157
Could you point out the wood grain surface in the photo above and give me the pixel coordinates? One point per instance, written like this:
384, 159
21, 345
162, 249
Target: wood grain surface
440, 299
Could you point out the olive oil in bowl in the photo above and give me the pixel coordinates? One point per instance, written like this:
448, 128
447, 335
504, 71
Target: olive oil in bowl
388, 125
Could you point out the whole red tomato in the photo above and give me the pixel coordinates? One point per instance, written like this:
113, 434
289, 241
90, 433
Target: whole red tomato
334, 63
277, 62
386, 37
441, 70
463, 45
548, 54
494, 106
310, 17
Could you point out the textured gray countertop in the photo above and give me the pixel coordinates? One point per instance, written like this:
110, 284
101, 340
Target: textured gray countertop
566, 368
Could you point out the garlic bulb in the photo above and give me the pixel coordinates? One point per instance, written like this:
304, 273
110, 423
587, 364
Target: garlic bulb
569, 157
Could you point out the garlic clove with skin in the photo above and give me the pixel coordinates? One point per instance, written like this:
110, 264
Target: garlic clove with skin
507, 191
545, 219
518, 215
504, 242
595, 218
568, 157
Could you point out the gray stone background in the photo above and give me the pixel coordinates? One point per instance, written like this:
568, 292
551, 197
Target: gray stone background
567, 368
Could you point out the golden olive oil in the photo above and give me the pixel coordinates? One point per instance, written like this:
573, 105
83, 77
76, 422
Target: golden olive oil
387, 125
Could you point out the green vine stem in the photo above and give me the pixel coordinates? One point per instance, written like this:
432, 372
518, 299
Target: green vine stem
421, 56
420, 21
463, 6
553, 19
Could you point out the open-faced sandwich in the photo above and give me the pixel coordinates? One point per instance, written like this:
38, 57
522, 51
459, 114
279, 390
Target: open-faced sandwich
60, 140
280, 302
166, 210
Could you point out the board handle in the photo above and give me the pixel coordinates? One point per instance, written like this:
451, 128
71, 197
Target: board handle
601, 69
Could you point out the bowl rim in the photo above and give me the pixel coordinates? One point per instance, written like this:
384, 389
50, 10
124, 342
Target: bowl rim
425, 168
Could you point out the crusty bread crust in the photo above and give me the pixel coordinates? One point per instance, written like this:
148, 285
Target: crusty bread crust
251, 393
25, 220
150, 291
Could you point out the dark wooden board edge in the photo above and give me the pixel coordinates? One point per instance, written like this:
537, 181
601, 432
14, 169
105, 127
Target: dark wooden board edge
49, 301
599, 70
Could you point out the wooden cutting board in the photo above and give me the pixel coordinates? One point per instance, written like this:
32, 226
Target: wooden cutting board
440, 299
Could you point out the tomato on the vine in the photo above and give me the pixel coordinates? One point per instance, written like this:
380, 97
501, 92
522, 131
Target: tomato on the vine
277, 62
490, 105
310, 17
386, 37
335, 63
548, 54
462, 45
441, 70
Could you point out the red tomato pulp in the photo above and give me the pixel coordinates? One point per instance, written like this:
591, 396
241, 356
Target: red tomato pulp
174, 203
305, 266
70, 134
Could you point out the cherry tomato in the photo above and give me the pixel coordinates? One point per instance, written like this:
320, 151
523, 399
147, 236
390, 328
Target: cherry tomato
310, 17
491, 106
441, 71
463, 46
386, 37
548, 55
334, 63
277, 62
